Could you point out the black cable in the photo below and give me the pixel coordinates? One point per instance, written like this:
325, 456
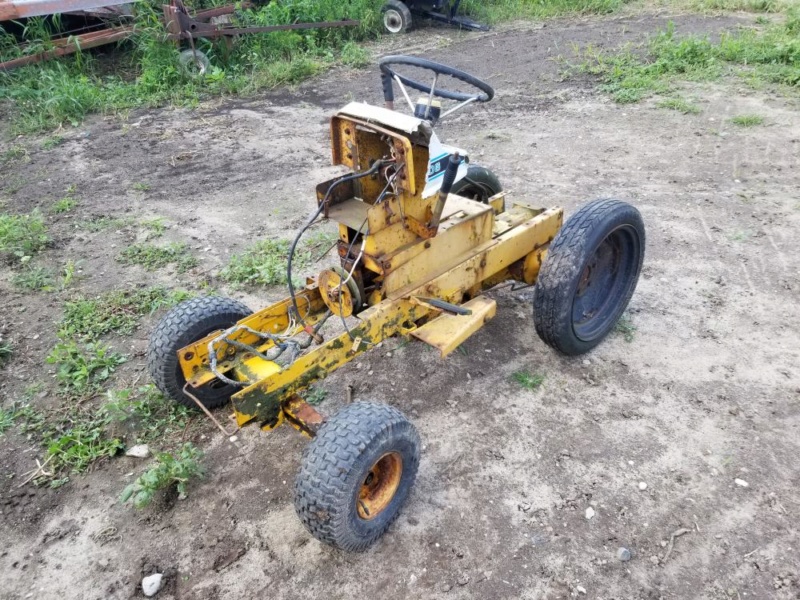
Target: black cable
373, 169
381, 196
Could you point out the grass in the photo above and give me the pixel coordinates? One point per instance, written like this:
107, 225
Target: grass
52, 141
81, 369
22, 236
747, 120
117, 311
104, 223
169, 470
528, 380
680, 105
770, 56
153, 257
626, 327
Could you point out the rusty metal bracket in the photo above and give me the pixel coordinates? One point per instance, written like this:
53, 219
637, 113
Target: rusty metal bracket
301, 415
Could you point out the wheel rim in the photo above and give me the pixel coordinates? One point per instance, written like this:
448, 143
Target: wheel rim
380, 485
393, 21
604, 282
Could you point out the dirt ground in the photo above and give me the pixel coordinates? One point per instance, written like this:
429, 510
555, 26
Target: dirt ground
706, 392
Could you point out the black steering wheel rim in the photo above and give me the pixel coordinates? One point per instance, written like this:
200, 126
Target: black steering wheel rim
386, 63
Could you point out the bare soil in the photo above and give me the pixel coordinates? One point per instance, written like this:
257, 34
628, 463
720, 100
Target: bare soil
706, 391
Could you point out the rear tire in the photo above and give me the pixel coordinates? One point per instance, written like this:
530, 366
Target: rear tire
396, 17
588, 276
188, 322
480, 184
356, 475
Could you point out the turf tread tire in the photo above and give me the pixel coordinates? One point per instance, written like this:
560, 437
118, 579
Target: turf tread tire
569, 251
188, 322
478, 179
335, 463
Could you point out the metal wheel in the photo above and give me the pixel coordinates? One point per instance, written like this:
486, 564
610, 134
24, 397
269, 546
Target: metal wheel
396, 16
194, 63
380, 485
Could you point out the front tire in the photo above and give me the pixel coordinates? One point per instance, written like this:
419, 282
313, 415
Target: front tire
189, 322
480, 184
356, 475
396, 17
588, 276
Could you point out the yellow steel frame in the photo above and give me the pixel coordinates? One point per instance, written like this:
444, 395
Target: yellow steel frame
475, 247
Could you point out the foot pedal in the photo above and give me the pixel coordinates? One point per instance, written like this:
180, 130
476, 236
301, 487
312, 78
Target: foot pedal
447, 332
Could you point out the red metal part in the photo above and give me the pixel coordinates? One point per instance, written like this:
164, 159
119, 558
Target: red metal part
70, 45
21, 9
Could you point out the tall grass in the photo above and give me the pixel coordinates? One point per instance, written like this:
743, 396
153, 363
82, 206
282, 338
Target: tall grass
768, 56
493, 11
64, 91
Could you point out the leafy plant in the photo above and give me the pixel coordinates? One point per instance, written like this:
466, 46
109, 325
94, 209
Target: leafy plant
82, 369
315, 395
528, 380
154, 257
626, 327
66, 204
33, 278
141, 186
169, 470
6, 419
82, 442
22, 236
6, 350
264, 263
149, 414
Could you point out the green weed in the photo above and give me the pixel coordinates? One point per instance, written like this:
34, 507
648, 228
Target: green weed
104, 223
155, 227
168, 471
117, 311
528, 380
13, 154
156, 257
66, 204
68, 273
315, 395
6, 350
626, 327
681, 105
747, 120
79, 441
147, 413
34, 278
141, 186
52, 141
22, 236
264, 263
81, 370
6, 419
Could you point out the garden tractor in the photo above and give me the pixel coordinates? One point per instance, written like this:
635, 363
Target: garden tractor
423, 235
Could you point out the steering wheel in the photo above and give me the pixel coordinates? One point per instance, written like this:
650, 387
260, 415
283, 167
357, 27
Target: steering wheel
389, 75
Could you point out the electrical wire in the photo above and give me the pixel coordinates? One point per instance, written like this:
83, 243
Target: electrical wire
373, 169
